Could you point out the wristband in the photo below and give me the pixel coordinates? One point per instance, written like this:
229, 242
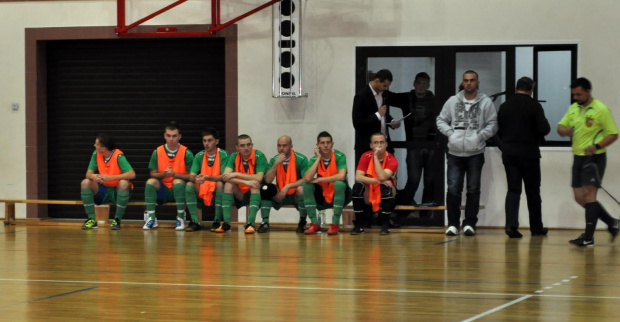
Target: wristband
598, 146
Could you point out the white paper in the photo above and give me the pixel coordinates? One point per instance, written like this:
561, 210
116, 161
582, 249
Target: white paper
400, 119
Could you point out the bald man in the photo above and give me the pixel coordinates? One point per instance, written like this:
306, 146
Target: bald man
286, 168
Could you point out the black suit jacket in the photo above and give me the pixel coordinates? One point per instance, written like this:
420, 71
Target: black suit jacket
366, 122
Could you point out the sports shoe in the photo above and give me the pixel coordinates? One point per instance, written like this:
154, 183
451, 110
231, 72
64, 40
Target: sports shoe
513, 232
223, 228
542, 232
613, 230
180, 224
581, 241
333, 229
264, 228
301, 226
469, 231
452, 231
193, 226
385, 228
150, 224
90, 224
249, 229
313, 229
215, 225
358, 229
116, 224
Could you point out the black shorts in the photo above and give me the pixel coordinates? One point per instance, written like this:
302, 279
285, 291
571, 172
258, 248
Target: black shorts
588, 170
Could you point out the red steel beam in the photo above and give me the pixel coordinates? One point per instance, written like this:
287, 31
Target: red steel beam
122, 30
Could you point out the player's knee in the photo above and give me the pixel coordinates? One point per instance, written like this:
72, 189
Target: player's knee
358, 190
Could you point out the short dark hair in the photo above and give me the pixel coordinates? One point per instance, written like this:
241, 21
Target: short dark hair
525, 84
243, 137
211, 131
324, 134
423, 75
106, 141
377, 133
470, 71
581, 82
384, 75
172, 126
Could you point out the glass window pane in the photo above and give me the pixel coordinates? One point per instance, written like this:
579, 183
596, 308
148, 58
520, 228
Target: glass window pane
553, 83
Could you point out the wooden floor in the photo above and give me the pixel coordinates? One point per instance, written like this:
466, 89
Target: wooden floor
62, 272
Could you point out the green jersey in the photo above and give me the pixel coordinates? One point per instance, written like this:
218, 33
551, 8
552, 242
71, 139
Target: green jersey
197, 164
122, 163
260, 159
591, 124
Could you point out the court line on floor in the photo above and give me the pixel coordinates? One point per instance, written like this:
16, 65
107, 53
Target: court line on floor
302, 288
498, 308
52, 296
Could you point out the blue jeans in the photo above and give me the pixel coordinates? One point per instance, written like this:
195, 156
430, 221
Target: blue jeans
458, 167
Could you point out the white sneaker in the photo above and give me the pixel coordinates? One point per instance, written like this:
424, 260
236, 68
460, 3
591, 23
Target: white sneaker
469, 231
452, 231
180, 224
150, 224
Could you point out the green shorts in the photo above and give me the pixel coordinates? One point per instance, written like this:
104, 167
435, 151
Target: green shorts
320, 200
164, 194
244, 202
107, 195
288, 200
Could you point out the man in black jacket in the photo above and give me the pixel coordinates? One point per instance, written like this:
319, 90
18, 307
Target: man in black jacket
522, 127
371, 112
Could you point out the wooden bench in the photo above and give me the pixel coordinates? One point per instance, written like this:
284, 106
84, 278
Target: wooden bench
102, 212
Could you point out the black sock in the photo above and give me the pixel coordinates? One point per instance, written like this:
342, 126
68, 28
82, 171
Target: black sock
592, 215
604, 215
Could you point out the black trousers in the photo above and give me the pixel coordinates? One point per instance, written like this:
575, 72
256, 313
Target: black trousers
523, 172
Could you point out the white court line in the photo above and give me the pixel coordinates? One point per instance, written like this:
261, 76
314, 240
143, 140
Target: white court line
498, 308
303, 288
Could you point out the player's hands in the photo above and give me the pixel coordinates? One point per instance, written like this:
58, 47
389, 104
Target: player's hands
253, 183
281, 157
200, 179
168, 172
317, 151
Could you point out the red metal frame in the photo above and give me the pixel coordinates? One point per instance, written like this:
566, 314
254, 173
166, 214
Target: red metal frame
122, 30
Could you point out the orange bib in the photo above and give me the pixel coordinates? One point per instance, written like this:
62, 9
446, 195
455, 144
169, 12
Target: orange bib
177, 163
286, 177
330, 170
240, 168
374, 189
208, 187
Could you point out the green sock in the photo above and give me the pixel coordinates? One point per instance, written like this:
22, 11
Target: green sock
89, 202
302, 208
218, 204
227, 201
150, 197
178, 190
310, 202
122, 198
339, 190
265, 209
254, 205
191, 200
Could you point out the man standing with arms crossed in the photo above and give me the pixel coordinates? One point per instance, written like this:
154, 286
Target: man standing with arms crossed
592, 128
468, 119
170, 164
205, 179
522, 127
243, 176
287, 169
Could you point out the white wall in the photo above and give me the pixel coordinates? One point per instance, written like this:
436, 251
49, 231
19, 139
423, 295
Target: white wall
332, 29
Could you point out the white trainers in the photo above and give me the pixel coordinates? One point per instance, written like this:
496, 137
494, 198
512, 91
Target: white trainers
150, 224
469, 231
180, 224
452, 231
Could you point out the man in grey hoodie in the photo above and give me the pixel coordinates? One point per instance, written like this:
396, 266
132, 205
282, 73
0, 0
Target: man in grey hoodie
468, 119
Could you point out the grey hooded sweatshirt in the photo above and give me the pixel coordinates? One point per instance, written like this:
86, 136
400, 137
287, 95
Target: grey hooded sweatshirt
467, 126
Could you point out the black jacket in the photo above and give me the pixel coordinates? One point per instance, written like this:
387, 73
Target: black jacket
522, 126
366, 122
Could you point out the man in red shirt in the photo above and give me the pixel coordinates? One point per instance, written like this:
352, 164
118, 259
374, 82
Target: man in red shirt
374, 187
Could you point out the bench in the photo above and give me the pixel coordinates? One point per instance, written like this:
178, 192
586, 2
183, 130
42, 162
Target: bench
102, 212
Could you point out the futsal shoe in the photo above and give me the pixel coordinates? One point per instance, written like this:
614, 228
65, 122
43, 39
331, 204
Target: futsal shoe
90, 224
385, 228
357, 229
116, 224
223, 228
452, 231
193, 226
542, 232
249, 229
264, 228
215, 225
581, 241
301, 226
150, 224
513, 232
333, 229
469, 231
180, 224
614, 229
313, 229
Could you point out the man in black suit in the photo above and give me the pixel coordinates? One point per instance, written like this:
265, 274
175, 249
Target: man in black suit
371, 112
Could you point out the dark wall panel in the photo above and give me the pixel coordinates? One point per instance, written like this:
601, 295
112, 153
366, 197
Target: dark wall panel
130, 88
